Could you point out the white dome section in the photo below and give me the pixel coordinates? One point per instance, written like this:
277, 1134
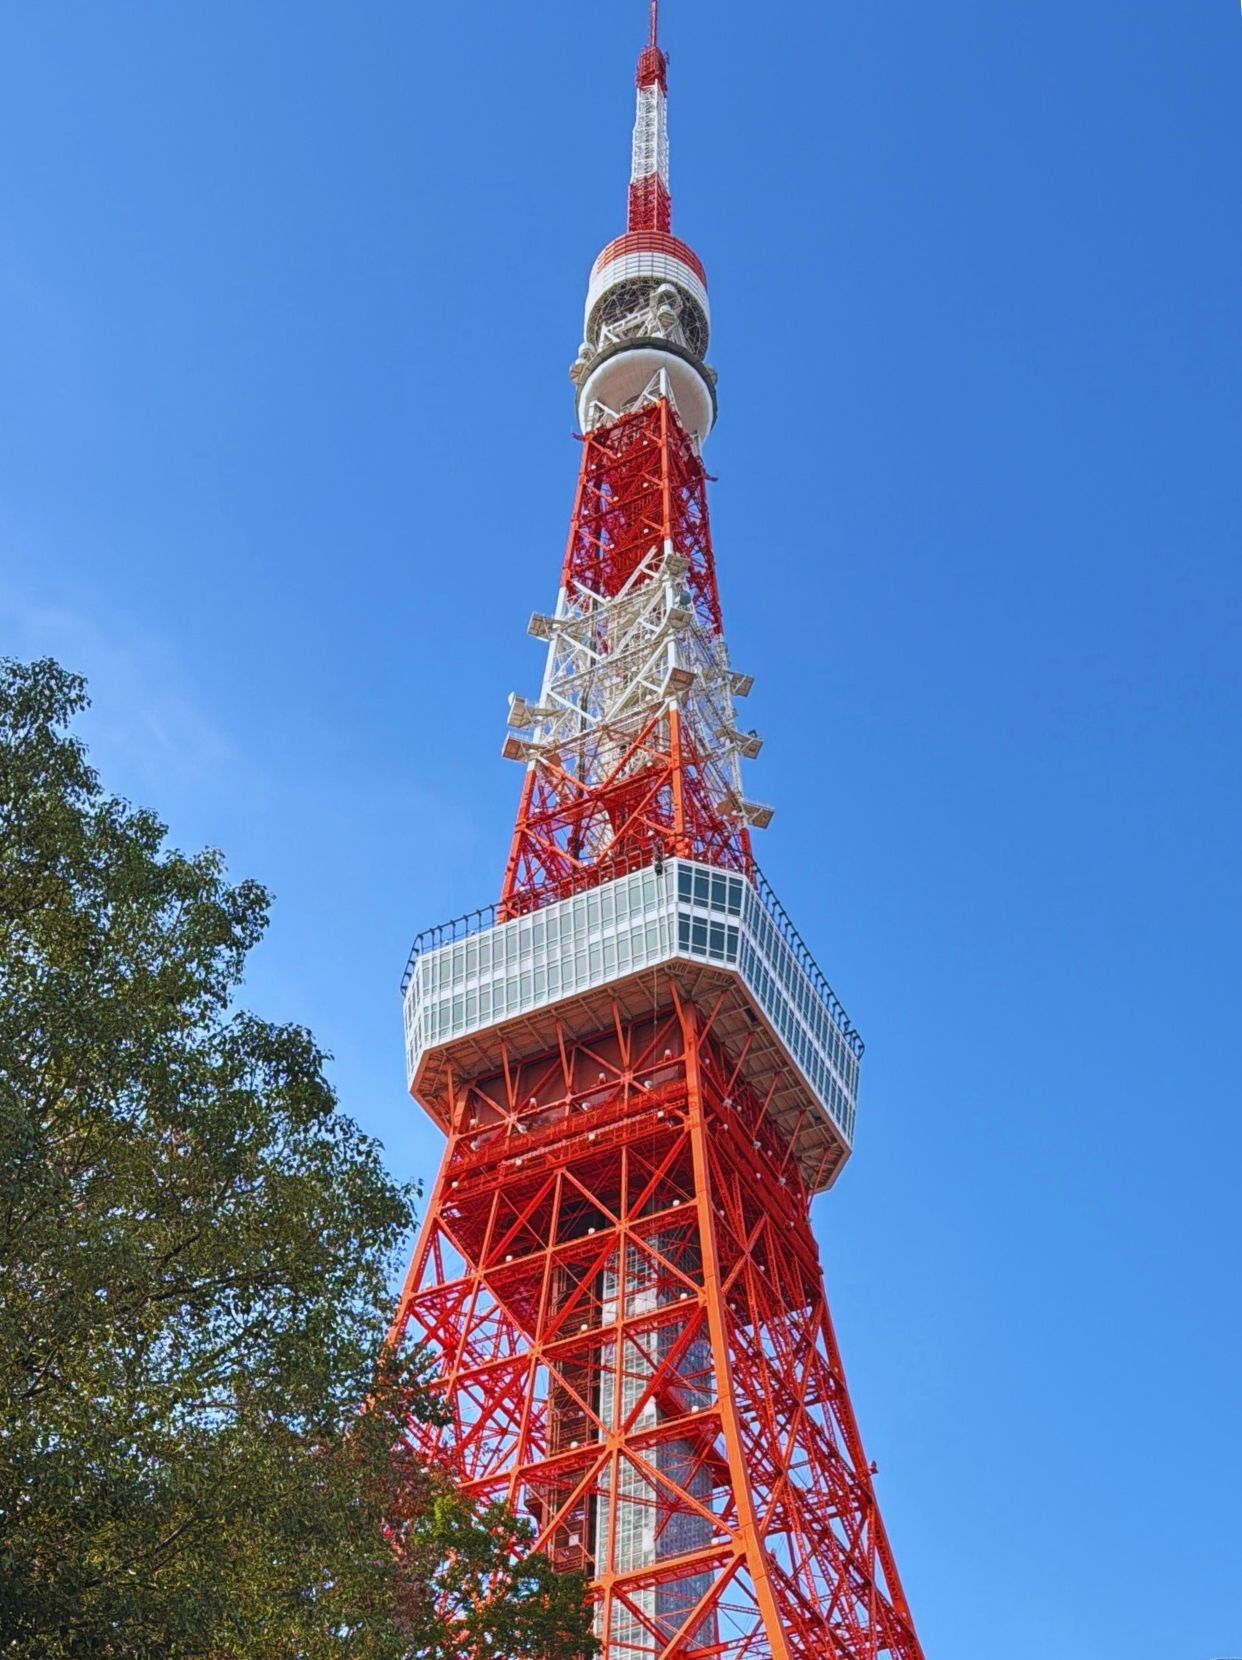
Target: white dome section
620, 379
641, 264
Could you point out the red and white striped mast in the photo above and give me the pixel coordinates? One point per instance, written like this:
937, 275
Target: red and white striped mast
643, 1076
650, 203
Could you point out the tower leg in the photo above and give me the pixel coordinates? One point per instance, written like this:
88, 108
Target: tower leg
618, 1278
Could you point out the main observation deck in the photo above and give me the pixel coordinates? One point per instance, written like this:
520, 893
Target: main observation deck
717, 932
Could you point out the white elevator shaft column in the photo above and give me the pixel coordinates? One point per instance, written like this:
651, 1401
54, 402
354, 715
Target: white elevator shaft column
649, 1527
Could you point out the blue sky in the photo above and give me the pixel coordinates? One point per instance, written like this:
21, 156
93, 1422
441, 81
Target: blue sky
287, 298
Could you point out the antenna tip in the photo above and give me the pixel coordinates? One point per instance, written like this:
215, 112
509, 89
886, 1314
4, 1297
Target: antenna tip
652, 64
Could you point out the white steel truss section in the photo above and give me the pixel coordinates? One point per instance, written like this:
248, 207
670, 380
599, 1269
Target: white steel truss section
616, 668
650, 153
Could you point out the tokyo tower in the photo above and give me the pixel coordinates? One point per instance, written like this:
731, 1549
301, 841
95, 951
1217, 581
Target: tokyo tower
643, 1076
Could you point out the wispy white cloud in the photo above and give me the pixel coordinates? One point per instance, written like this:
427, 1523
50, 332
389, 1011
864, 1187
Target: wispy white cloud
145, 728
156, 739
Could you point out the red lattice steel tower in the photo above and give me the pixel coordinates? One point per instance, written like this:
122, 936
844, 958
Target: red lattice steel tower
644, 1077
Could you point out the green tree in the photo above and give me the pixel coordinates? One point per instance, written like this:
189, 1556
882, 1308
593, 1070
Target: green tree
195, 1245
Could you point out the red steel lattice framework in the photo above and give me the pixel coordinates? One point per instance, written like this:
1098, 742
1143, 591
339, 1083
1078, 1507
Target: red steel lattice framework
641, 485
617, 1272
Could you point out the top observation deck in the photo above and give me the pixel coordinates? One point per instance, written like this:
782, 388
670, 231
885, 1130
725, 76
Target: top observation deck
473, 980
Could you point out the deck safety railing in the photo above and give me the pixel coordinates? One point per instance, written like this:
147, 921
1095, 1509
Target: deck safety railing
487, 916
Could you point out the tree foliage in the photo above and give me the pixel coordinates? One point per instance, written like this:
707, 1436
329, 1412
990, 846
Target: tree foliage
194, 1253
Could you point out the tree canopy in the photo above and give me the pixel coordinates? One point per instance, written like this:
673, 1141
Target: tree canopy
195, 1250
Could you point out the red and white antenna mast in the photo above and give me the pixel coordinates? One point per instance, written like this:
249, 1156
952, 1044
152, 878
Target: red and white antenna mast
650, 205
643, 1075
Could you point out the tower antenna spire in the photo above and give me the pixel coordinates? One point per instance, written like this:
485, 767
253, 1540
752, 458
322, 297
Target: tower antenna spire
650, 206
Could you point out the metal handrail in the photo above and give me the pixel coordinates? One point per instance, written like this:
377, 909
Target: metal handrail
448, 933
798, 946
487, 916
